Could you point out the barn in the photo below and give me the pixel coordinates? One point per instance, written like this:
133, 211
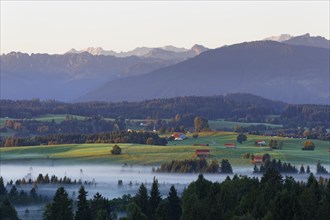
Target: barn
202, 153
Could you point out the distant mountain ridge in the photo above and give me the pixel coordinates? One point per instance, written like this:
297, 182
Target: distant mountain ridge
278, 71
280, 38
66, 77
307, 40
302, 40
298, 73
166, 52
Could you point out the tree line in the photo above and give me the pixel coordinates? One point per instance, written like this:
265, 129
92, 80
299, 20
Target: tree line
277, 165
135, 137
212, 107
195, 166
46, 179
95, 124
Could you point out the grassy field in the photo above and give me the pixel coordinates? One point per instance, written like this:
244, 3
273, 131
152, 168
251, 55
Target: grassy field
57, 118
49, 117
155, 155
221, 124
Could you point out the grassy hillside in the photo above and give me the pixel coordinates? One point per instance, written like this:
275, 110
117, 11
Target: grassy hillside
154, 155
221, 124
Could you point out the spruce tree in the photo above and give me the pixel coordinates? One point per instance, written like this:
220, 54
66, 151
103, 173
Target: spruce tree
302, 169
84, 211
155, 198
174, 204
3, 190
142, 200
100, 208
7, 211
60, 208
226, 166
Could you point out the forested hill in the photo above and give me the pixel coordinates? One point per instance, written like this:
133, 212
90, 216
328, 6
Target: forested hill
251, 108
213, 107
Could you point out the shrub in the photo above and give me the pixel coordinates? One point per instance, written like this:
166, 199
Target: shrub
246, 156
308, 145
195, 135
150, 141
116, 150
241, 138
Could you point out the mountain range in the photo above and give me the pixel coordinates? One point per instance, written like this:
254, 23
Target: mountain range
285, 68
290, 73
66, 77
166, 53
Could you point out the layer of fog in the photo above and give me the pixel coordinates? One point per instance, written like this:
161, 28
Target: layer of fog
104, 179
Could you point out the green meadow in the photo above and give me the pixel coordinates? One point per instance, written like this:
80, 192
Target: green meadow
222, 124
175, 150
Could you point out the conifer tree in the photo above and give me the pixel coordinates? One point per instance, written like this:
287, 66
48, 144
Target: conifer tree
302, 169
60, 208
142, 200
3, 190
155, 198
84, 211
7, 211
174, 204
100, 208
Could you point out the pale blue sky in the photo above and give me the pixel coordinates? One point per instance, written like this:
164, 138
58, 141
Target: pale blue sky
55, 27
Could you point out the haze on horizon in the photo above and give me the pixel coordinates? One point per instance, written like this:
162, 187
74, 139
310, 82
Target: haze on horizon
55, 27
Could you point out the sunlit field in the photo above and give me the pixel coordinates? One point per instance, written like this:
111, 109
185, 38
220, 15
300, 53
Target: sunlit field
175, 150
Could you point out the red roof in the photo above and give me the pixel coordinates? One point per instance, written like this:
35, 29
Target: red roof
230, 145
176, 135
202, 151
257, 158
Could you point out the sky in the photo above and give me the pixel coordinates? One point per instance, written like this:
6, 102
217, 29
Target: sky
54, 27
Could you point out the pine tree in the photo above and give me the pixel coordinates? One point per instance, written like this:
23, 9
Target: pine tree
3, 190
83, 212
13, 192
174, 204
100, 208
226, 166
60, 208
142, 200
7, 211
155, 198
33, 192
302, 169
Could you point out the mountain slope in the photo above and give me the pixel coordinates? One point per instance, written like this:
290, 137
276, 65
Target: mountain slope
307, 40
66, 77
294, 74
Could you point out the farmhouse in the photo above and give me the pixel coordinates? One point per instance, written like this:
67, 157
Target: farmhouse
230, 145
178, 136
257, 159
260, 143
201, 153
